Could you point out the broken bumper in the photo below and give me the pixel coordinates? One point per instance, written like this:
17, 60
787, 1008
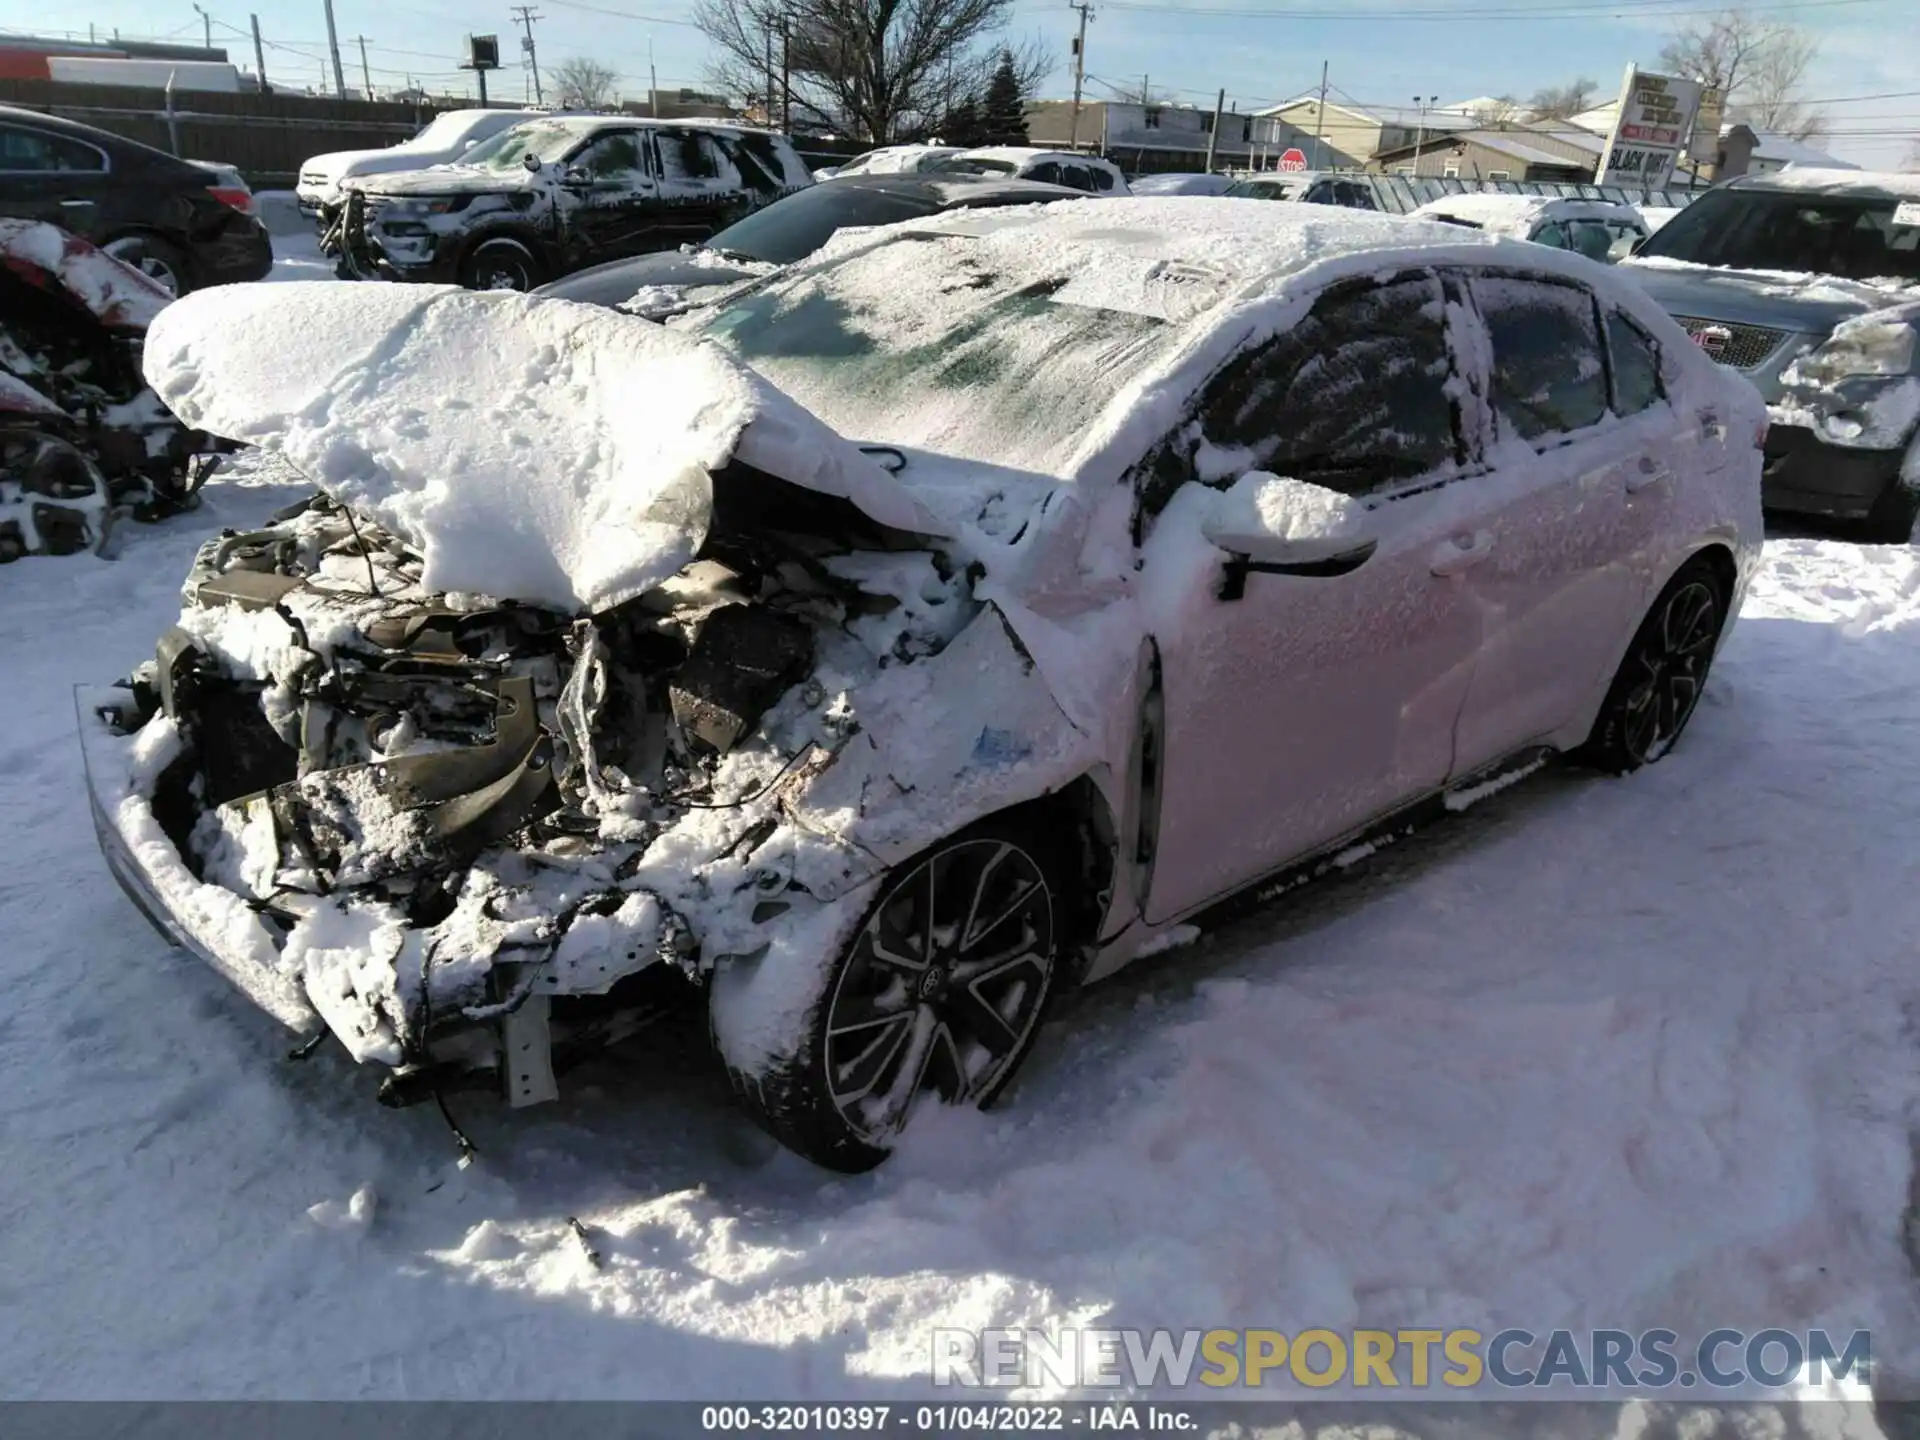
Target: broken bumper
1805, 475
212, 923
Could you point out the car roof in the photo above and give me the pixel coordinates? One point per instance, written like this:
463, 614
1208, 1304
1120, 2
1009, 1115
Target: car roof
586, 122
1023, 154
104, 139
1491, 209
1251, 244
958, 189
1867, 184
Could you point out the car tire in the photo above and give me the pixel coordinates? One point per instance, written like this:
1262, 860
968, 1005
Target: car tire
1659, 683
157, 259
879, 1026
1892, 518
501, 264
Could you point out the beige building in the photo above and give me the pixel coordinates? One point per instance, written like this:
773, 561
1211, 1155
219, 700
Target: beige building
1156, 139
1339, 136
1506, 152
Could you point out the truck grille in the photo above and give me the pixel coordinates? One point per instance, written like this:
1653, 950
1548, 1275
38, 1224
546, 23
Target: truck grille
1743, 347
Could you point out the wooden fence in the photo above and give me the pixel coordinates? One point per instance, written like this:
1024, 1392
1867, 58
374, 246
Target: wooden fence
266, 137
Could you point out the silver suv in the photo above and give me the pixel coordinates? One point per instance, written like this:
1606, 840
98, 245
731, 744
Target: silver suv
1808, 283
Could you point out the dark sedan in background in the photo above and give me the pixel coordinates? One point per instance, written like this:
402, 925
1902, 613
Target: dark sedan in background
788, 231
178, 222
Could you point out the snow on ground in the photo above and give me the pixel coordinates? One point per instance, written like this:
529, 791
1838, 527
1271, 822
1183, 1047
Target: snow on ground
296, 243
1593, 1053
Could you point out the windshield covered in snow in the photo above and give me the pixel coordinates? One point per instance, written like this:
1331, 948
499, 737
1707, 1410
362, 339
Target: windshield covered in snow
984, 349
1265, 189
444, 131
1853, 237
548, 139
793, 228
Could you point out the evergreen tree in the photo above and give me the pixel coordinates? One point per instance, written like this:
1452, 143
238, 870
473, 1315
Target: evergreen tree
1005, 107
963, 125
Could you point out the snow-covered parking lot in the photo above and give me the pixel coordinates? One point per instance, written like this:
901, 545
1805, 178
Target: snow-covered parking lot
1620, 1054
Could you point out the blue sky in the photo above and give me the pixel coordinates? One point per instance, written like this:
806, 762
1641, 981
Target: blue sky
1187, 47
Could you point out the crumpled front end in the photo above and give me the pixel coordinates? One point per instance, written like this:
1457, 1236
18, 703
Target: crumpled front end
439, 822
421, 238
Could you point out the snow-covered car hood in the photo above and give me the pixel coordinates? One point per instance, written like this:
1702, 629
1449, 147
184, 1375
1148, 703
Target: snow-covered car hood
117, 295
341, 164
530, 449
439, 180
1808, 304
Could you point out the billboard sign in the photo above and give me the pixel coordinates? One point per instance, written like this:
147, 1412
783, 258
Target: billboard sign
1652, 125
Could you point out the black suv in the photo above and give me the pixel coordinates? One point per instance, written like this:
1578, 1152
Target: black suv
170, 218
555, 194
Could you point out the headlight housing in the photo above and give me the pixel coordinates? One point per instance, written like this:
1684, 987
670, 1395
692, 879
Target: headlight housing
1864, 347
417, 209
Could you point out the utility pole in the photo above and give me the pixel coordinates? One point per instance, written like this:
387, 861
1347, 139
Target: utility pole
767, 109
1146, 95
333, 49
1420, 134
1320, 120
366, 75
524, 14
1079, 68
1213, 132
206, 28
653, 84
259, 54
786, 74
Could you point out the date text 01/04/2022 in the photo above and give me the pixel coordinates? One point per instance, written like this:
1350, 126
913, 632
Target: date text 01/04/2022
944, 1419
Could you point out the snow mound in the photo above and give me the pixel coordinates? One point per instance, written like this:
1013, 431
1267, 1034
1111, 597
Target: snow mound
529, 448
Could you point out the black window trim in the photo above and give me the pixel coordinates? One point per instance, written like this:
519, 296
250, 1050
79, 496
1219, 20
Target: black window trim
106, 157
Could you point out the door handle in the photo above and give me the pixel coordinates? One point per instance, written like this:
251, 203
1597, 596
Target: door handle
1711, 425
1462, 552
74, 204
1648, 473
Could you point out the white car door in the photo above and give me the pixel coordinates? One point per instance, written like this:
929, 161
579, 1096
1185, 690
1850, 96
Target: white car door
1303, 706
1579, 484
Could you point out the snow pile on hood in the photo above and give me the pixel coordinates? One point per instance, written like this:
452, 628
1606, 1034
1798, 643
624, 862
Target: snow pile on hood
118, 295
530, 449
1797, 284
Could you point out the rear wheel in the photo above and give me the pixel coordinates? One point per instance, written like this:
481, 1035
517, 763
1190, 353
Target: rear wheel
1659, 683
501, 264
153, 257
938, 995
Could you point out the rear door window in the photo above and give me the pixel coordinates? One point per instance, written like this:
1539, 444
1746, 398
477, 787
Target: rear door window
687, 156
1102, 179
25, 151
1048, 172
1549, 375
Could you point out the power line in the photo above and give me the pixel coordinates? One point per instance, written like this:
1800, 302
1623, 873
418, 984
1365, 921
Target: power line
1585, 10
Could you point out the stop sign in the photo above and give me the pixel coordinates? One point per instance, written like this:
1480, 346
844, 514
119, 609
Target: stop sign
1294, 160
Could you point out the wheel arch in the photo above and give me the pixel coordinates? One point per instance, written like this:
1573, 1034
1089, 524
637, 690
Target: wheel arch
1080, 818
520, 232
177, 248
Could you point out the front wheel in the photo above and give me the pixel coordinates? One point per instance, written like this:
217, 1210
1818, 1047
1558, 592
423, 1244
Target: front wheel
501, 265
938, 994
1654, 693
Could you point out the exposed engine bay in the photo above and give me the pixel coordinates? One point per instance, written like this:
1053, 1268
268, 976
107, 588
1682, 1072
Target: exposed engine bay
83, 440
443, 805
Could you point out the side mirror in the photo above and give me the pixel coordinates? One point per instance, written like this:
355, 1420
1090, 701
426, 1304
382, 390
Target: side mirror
1274, 525
531, 161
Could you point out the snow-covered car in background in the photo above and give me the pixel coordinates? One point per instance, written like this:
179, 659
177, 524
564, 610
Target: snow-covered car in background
1654, 216
555, 195
785, 233
874, 655
1181, 184
83, 441
1597, 229
443, 141
891, 160
1804, 281
1076, 171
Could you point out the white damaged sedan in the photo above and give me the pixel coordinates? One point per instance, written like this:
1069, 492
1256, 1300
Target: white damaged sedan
923, 631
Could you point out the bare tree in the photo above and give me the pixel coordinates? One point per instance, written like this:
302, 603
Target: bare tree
1756, 64
882, 69
1500, 110
1557, 102
583, 84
